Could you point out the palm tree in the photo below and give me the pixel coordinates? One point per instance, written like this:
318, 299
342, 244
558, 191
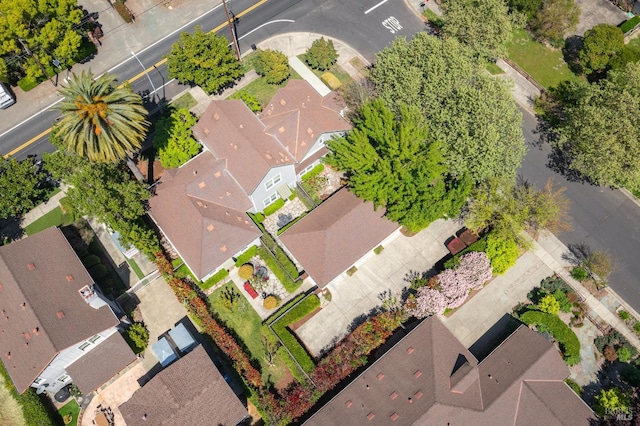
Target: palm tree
100, 121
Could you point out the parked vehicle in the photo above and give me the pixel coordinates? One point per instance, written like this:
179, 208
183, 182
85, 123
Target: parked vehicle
6, 97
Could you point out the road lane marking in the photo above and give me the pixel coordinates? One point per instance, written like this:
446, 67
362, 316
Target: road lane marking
375, 7
161, 62
266, 23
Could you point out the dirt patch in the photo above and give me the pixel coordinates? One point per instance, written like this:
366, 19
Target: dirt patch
253, 412
286, 379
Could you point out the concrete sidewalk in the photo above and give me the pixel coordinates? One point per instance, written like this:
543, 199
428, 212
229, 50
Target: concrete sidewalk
308, 75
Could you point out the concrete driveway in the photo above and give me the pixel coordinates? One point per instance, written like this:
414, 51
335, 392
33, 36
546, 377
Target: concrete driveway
356, 295
594, 12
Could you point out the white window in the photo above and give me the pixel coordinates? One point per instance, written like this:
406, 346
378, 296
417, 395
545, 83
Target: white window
95, 338
84, 346
270, 199
38, 381
307, 170
273, 181
64, 378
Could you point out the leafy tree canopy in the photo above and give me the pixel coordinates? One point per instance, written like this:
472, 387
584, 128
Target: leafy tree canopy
396, 164
21, 187
205, 60
527, 7
484, 25
554, 19
321, 55
249, 100
600, 132
273, 66
599, 45
629, 53
173, 139
471, 113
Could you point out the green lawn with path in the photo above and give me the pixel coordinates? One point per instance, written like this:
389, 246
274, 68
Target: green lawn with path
545, 65
54, 218
264, 91
70, 408
245, 323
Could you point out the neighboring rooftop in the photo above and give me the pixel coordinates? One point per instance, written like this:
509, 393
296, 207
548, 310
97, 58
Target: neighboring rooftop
102, 363
429, 378
202, 211
41, 309
191, 391
335, 235
232, 132
297, 115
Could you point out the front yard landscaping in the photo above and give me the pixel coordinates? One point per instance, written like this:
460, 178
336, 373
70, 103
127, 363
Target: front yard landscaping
545, 65
69, 413
55, 217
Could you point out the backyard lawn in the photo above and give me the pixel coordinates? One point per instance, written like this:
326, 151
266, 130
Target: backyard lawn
54, 218
545, 65
264, 91
70, 408
245, 324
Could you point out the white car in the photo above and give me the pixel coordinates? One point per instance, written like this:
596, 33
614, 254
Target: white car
6, 97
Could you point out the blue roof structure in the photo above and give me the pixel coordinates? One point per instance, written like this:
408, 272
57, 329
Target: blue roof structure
182, 338
165, 354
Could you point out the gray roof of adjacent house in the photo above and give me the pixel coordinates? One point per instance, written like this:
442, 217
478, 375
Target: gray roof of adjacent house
202, 211
191, 391
101, 363
335, 235
233, 133
297, 115
42, 311
428, 377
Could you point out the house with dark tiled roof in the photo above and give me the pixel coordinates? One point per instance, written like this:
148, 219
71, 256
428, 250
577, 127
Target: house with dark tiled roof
248, 162
190, 391
55, 325
337, 235
428, 377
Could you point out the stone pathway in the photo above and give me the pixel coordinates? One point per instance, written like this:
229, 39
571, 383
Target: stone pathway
291, 210
587, 371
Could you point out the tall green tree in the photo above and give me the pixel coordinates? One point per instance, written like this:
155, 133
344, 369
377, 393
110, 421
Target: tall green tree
203, 59
600, 130
554, 19
99, 120
599, 46
21, 186
273, 66
471, 113
483, 25
321, 55
173, 139
396, 164
41, 26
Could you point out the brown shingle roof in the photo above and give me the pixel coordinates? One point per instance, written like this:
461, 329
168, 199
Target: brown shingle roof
440, 382
232, 132
43, 273
297, 115
202, 211
101, 363
335, 235
189, 392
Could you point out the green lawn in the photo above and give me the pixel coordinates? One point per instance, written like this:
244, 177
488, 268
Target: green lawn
54, 218
246, 324
545, 65
185, 101
264, 91
136, 268
494, 69
70, 408
337, 70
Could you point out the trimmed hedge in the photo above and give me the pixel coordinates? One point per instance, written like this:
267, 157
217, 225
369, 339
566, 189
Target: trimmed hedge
246, 256
281, 256
273, 207
90, 261
480, 245
630, 24
331, 80
569, 343
280, 327
277, 270
215, 279
313, 172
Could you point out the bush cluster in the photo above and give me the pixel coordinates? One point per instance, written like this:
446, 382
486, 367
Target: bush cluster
246, 271
313, 172
215, 279
569, 343
273, 207
271, 302
249, 100
246, 256
321, 55
616, 340
273, 66
138, 337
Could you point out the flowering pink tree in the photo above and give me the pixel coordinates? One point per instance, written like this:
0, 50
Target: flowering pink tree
475, 269
428, 302
454, 287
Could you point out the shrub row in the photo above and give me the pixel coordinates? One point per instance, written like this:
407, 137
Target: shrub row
502, 253
630, 24
273, 207
277, 270
215, 279
280, 255
569, 343
246, 256
313, 172
280, 327
199, 309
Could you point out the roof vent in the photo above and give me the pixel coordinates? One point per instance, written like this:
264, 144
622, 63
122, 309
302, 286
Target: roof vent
1, 287
31, 266
202, 184
9, 355
370, 416
86, 294
348, 404
223, 249
27, 336
199, 203
417, 374
36, 331
23, 305
309, 131
394, 417
281, 129
242, 126
60, 314
195, 173
394, 395
410, 350
269, 157
210, 227
206, 131
418, 394
216, 116
380, 376
283, 102
69, 277
217, 174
